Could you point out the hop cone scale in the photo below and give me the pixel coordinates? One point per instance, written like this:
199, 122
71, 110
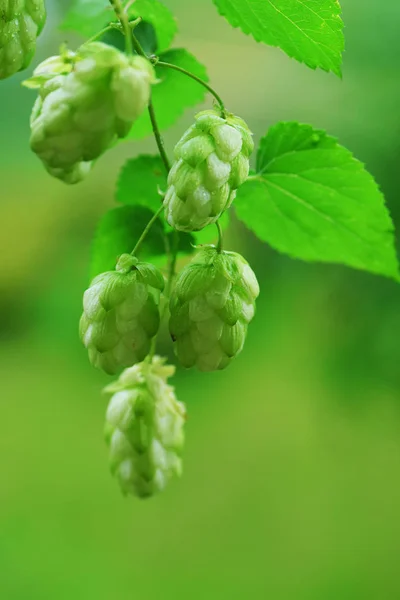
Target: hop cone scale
211, 306
212, 161
121, 314
21, 21
86, 102
144, 428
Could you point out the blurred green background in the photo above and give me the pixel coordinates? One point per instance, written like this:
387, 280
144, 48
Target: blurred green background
292, 467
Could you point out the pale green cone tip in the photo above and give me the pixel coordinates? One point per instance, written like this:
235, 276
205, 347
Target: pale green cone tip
145, 428
121, 314
212, 303
212, 161
21, 21
87, 101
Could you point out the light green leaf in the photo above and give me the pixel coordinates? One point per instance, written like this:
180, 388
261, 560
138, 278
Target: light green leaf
311, 31
311, 199
118, 232
87, 17
140, 180
174, 94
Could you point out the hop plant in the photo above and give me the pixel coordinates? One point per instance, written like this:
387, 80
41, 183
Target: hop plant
121, 314
211, 306
21, 21
144, 428
86, 102
212, 161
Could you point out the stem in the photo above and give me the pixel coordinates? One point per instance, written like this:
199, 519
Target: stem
157, 135
124, 20
102, 32
220, 245
201, 81
147, 229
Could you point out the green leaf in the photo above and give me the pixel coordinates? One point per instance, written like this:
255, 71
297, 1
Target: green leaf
311, 31
139, 181
118, 232
174, 94
311, 199
160, 17
87, 17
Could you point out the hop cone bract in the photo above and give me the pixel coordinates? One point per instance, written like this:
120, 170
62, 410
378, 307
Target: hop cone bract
212, 161
86, 102
144, 428
211, 306
121, 314
21, 21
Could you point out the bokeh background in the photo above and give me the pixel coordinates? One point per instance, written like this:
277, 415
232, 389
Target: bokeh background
292, 467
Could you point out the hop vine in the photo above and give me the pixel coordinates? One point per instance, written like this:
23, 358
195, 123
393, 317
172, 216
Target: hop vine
308, 196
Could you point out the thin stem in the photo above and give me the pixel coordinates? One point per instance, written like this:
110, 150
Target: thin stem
201, 81
124, 20
220, 245
158, 137
146, 230
103, 32
172, 264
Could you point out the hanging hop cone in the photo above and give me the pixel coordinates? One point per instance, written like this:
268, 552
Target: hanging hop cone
21, 21
212, 161
211, 306
121, 314
86, 102
144, 429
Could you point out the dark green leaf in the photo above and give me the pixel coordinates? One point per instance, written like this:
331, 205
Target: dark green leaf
118, 232
139, 181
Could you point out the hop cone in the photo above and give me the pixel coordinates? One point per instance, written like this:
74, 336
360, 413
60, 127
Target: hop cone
211, 306
86, 102
21, 21
144, 429
121, 314
212, 161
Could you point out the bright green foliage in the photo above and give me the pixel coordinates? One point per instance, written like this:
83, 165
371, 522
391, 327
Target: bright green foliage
311, 31
313, 200
21, 21
81, 112
211, 306
174, 93
121, 314
212, 161
144, 429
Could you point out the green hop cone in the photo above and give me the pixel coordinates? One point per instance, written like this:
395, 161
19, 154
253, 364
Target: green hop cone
121, 314
211, 306
212, 161
87, 101
144, 428
21, 21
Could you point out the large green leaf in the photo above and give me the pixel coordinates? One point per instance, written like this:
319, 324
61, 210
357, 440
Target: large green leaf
311, 199
87, 17
311, 31
174, 93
